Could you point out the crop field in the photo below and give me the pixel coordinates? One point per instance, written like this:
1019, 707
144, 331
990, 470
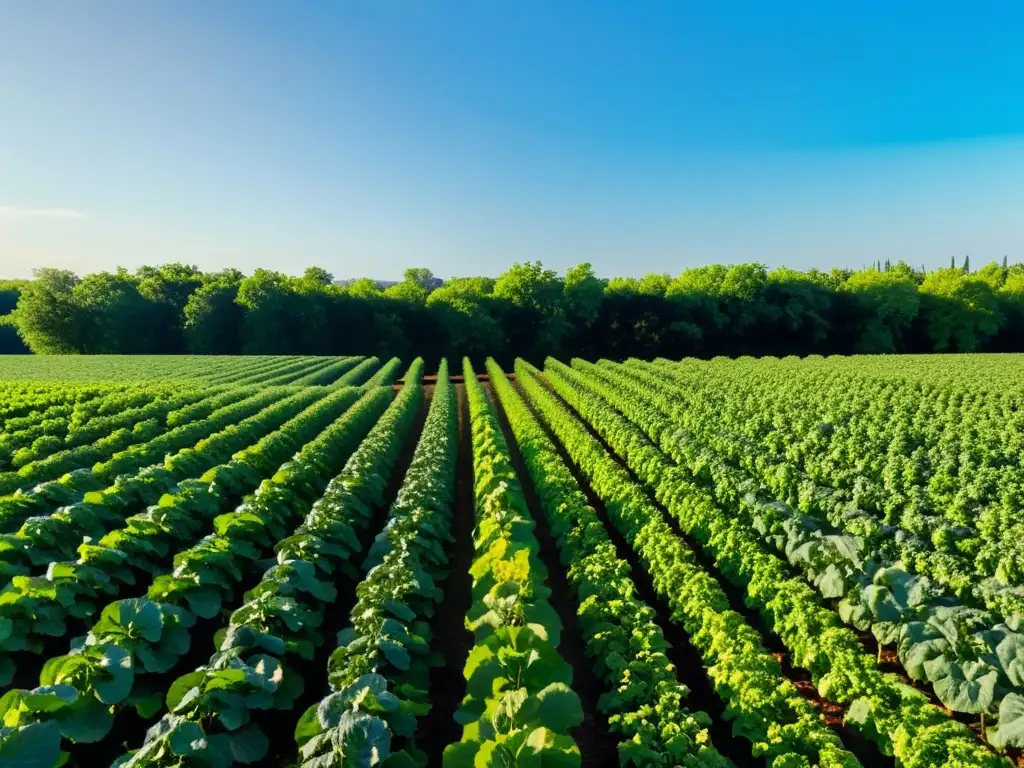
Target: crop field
346, 561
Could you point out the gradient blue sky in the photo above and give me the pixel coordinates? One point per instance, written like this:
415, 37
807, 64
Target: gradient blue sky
367, 137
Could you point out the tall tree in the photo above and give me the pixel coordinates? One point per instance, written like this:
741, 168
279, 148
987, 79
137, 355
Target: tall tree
118, 318
959, 311
468, 316
213, 319
169, 287
47, 316
420, 276
889, 302
267, 327
533, 315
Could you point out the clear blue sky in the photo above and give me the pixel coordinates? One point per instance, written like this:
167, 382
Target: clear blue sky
369, 136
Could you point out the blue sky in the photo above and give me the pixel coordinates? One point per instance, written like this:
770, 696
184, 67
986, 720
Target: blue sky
368, 137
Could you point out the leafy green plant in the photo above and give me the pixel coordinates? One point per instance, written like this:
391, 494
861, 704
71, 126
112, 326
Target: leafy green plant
518, 704
899, 719
379, 672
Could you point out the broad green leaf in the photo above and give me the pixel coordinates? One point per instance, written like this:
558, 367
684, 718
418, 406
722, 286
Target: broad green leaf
85, 721
36, 745
556, 750
560, 708
967, 687
119, 673
1010, 731
249, 745
396, 655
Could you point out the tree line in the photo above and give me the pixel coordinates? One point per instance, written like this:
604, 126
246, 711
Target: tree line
528, 311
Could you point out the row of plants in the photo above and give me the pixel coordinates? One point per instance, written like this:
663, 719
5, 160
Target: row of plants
148, 637
880, 452
206, 407
22, 434
379, 673
970, 656
261, 655
328, 373
943, 463
518, 706
644, 700
979, 569
269, 372
185, 436
290, 377
62, 462
278, 371
44, 539
26, 399
238, 370
72, 486
899, 719
47, 452
384, 377
39, 607
764, 706
359, 374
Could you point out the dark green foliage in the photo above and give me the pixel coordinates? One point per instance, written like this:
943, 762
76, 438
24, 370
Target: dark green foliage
528, 311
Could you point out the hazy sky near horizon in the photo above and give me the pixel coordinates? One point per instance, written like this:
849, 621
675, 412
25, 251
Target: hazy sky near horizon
373, 135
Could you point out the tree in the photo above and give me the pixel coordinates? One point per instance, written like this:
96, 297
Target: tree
169, 287
468, 316
528, 311
889, 302
625, 286
47, 317
213, 319
532, 315
412, 293
118, 319
801, 308
833, 280
993, 274
269, 313
959, 311
529, 285
416, 285
654, 284
420, 276
317, 276
698, 290
582, 292
967, 265
365, 288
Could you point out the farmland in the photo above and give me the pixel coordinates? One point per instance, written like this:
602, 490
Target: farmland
353, 561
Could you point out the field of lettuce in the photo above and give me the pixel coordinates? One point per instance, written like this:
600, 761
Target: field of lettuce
343, 561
